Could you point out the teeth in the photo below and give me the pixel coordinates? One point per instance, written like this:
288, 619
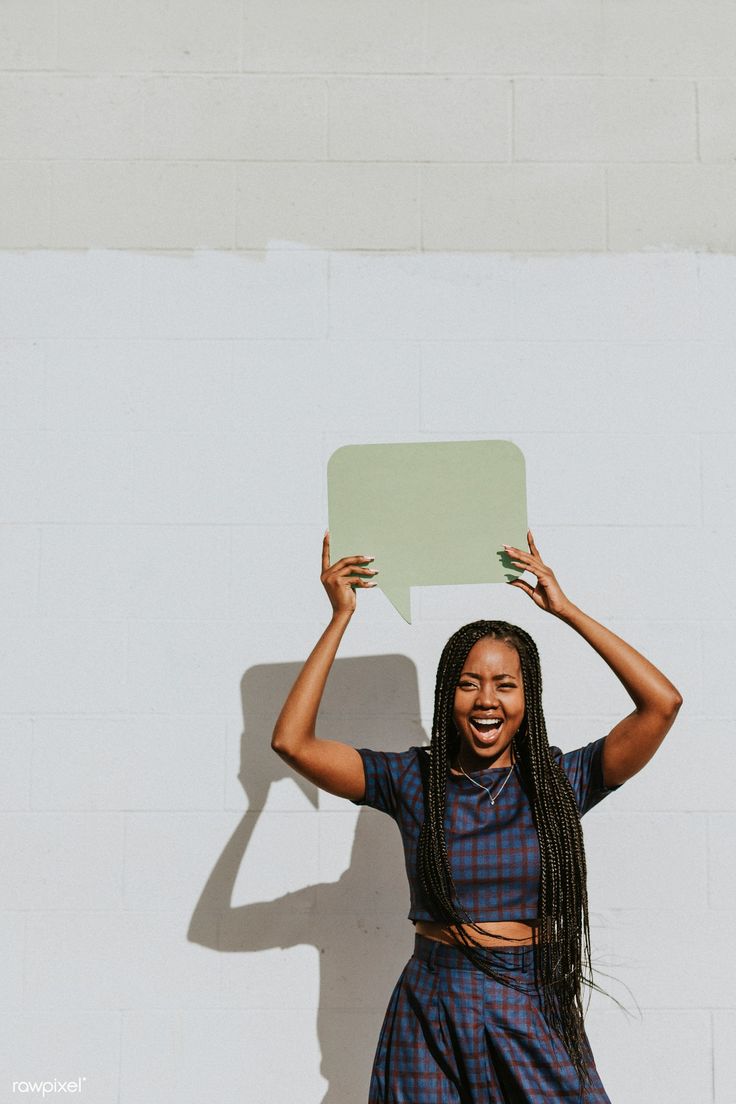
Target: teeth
486, 724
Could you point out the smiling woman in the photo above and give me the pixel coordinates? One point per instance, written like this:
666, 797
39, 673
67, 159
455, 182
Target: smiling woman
489, 705
489, 1007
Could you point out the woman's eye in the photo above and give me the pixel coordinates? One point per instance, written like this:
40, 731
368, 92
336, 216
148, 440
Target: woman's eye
503, 686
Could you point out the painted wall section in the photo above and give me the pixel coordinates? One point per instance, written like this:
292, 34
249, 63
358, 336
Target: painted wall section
510, 125
183, 918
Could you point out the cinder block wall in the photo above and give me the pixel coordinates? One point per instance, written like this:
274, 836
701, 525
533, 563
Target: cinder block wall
514, 125
233, 239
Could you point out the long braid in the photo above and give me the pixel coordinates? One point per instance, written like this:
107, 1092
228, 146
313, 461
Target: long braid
560, 967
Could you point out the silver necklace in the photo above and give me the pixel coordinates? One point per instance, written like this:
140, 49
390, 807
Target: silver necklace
491, 799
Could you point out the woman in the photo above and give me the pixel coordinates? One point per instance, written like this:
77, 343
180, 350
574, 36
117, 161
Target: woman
488, 1008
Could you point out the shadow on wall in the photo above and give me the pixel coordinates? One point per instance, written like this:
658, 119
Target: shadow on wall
359, 923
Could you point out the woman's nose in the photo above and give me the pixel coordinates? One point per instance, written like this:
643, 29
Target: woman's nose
486, 701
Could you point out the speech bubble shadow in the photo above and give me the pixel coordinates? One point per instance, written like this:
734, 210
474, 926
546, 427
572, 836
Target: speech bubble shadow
432, 513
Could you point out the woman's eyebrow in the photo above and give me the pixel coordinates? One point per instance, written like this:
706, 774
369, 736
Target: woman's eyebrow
474, 675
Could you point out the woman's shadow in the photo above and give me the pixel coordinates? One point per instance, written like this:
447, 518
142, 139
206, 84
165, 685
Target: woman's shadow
359, 923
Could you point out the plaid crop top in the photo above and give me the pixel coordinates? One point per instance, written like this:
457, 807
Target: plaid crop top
493, 849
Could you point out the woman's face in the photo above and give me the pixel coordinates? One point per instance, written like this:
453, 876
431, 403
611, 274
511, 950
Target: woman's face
489, 687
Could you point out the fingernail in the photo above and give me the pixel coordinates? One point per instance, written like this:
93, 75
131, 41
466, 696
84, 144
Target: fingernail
367, 557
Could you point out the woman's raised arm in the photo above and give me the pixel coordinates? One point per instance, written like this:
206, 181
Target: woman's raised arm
331, 765
633, 741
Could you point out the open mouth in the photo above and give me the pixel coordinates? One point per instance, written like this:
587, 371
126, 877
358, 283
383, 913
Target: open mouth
486, 729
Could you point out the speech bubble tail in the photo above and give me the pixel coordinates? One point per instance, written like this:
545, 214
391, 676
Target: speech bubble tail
400, 599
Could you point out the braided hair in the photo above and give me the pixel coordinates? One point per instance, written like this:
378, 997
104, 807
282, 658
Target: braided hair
563, 901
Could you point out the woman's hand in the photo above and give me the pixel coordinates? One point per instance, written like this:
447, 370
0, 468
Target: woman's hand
547, 594
339, 580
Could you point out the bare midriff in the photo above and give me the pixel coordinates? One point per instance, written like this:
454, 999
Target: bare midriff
522, 932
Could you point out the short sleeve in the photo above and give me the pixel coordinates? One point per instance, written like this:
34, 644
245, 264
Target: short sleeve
382, 774
584, 768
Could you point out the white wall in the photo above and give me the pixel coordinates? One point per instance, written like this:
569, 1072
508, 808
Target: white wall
518, 125
232, 241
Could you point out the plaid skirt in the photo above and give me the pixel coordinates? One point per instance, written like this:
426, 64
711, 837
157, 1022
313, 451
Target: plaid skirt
452, 1035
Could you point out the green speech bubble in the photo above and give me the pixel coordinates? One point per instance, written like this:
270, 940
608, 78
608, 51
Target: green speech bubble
432, 513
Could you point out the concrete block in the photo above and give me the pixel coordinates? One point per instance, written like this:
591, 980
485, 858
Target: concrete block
116, 960
148, 1049
12, 933
248, 118
268, 1069
261, 597
409, 298
20, 555
61, 861
22, 378
16, 742
199, 486
81, 1047
717, 643
128, 764
611, 298
671, 207
660, 39
52, 294
19, 493
181, 667
25, 205
718, 456
721, 877
675, 958
680, 388
269, 870
667, 1053
171, 856
64, 666
285, 975
509, 38
715, 299
28, 34
326, 38
724, 1060
82, 477
717, 120
179, 36
135, 385
143, 205
135, 571
513, 207
419, 119
641, 861
53, 115
312, 384
223, 296
322, 205
604, 119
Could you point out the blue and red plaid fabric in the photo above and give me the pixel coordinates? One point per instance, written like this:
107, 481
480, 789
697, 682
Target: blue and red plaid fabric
493, 849
452, 1035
